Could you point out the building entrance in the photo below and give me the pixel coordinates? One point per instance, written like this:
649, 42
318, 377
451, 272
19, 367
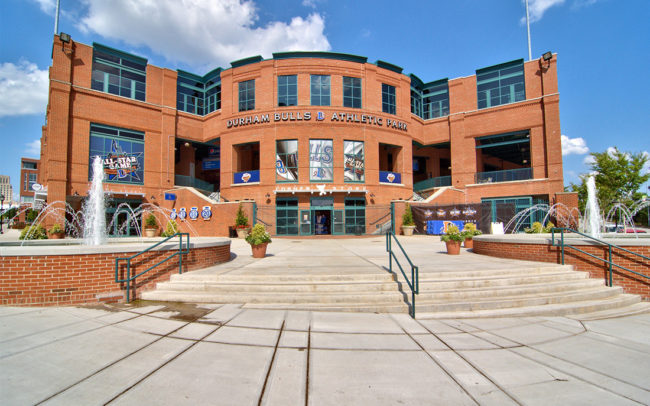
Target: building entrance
322, 220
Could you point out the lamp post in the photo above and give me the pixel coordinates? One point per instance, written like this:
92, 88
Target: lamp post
2, 210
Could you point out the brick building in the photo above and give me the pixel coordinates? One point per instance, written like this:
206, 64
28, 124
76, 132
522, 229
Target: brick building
321, 142
28, 177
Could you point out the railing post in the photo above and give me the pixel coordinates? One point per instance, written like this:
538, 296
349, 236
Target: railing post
180, 253
128, 280
610, 266
413, 292
562, 242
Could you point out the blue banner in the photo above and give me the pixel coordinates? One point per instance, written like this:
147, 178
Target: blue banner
170, 196
437, 227
210, 164
390, 177
246, 177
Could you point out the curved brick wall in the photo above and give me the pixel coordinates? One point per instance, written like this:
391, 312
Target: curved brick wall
43, 280
536, 249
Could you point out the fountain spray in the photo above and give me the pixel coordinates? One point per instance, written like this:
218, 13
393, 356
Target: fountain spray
593, 220
94, 210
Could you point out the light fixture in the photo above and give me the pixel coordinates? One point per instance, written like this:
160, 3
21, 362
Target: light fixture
64, 37
547, 56
153, 197
187, 144
267, 195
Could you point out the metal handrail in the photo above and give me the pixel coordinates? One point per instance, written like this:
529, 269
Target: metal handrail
414, 283
130, 278
610, 246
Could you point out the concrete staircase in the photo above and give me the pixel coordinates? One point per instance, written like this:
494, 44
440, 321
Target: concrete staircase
542, 289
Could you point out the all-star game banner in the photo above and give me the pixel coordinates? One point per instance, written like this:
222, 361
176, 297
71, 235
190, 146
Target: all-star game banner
122, 152
434, 219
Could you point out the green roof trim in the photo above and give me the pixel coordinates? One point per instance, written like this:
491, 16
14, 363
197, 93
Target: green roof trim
204, 78
500, 66
389, 66
435, 83
445, 144
323, 55
246, 61
416, 81
119, 53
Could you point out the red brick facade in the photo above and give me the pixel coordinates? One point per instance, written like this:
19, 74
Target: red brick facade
74, 106
76, 279
630, 282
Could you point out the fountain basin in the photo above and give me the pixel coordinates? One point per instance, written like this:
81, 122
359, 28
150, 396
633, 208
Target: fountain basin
537, 247
64, 272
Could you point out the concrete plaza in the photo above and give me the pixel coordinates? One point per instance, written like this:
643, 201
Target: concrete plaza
225, 355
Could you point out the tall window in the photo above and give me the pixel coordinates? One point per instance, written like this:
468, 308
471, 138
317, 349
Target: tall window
355, 215
416, 102
286, 161
30, 179
321, 161
198, 95
501, 84
353, 161
122, 151
351, 92
119, 73
288, 90
212, 95
388, 98
435, 100
320, 90
247, 95
286, 216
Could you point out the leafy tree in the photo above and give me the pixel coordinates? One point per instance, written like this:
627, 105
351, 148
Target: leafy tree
31, 215
619, 175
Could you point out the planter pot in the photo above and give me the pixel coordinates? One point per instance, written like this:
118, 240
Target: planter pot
408, 230
453, 247
150, 232
259, 251
242, 232
56, 236
469, 243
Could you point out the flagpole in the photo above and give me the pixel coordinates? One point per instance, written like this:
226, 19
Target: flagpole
530, 56
56, 18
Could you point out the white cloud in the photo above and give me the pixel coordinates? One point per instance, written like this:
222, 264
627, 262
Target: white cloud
588, 160
201, 33
576, 146
47, 6
33, 149
537, 8
23, 89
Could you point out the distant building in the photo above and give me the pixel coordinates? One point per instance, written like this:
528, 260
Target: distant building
6, 190
28, 177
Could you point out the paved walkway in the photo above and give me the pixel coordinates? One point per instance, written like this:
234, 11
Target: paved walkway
226, 355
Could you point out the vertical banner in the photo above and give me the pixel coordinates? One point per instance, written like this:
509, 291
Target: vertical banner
321, 160
286, 160
354, 161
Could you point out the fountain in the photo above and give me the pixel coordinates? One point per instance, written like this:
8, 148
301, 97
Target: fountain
95, 209
592, 220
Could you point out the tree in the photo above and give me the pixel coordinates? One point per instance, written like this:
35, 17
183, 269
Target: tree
619, 175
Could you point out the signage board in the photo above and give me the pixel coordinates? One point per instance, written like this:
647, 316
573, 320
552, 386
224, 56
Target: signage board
170, 196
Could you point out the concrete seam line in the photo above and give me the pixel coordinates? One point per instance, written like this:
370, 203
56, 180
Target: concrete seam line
268, 371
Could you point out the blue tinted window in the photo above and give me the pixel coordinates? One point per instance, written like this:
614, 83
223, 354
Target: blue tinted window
388, 98
118, 74
287, 90
501, 84
122, 151
320, 90
351, 92
435, 101
247, 95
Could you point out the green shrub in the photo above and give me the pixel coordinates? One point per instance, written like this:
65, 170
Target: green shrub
407, 217
31, 215
537, 228
469, 231
258, 235
452, 234
33, 233
56, 229
150, 221
171, 229
241, 221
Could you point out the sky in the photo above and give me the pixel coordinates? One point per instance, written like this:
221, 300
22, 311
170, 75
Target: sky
603, 49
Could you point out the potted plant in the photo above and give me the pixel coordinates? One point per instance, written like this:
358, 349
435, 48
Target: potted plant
452, 237
469, 231
241, 223
258, 239
56, 232
150, 225
408, 224
171, 229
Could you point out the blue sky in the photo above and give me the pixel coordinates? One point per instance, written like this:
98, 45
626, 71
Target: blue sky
603, 51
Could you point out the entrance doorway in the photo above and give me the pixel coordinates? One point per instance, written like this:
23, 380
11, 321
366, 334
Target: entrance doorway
322, 220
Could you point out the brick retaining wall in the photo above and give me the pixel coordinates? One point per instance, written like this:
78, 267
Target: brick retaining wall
630, 282
48, 280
